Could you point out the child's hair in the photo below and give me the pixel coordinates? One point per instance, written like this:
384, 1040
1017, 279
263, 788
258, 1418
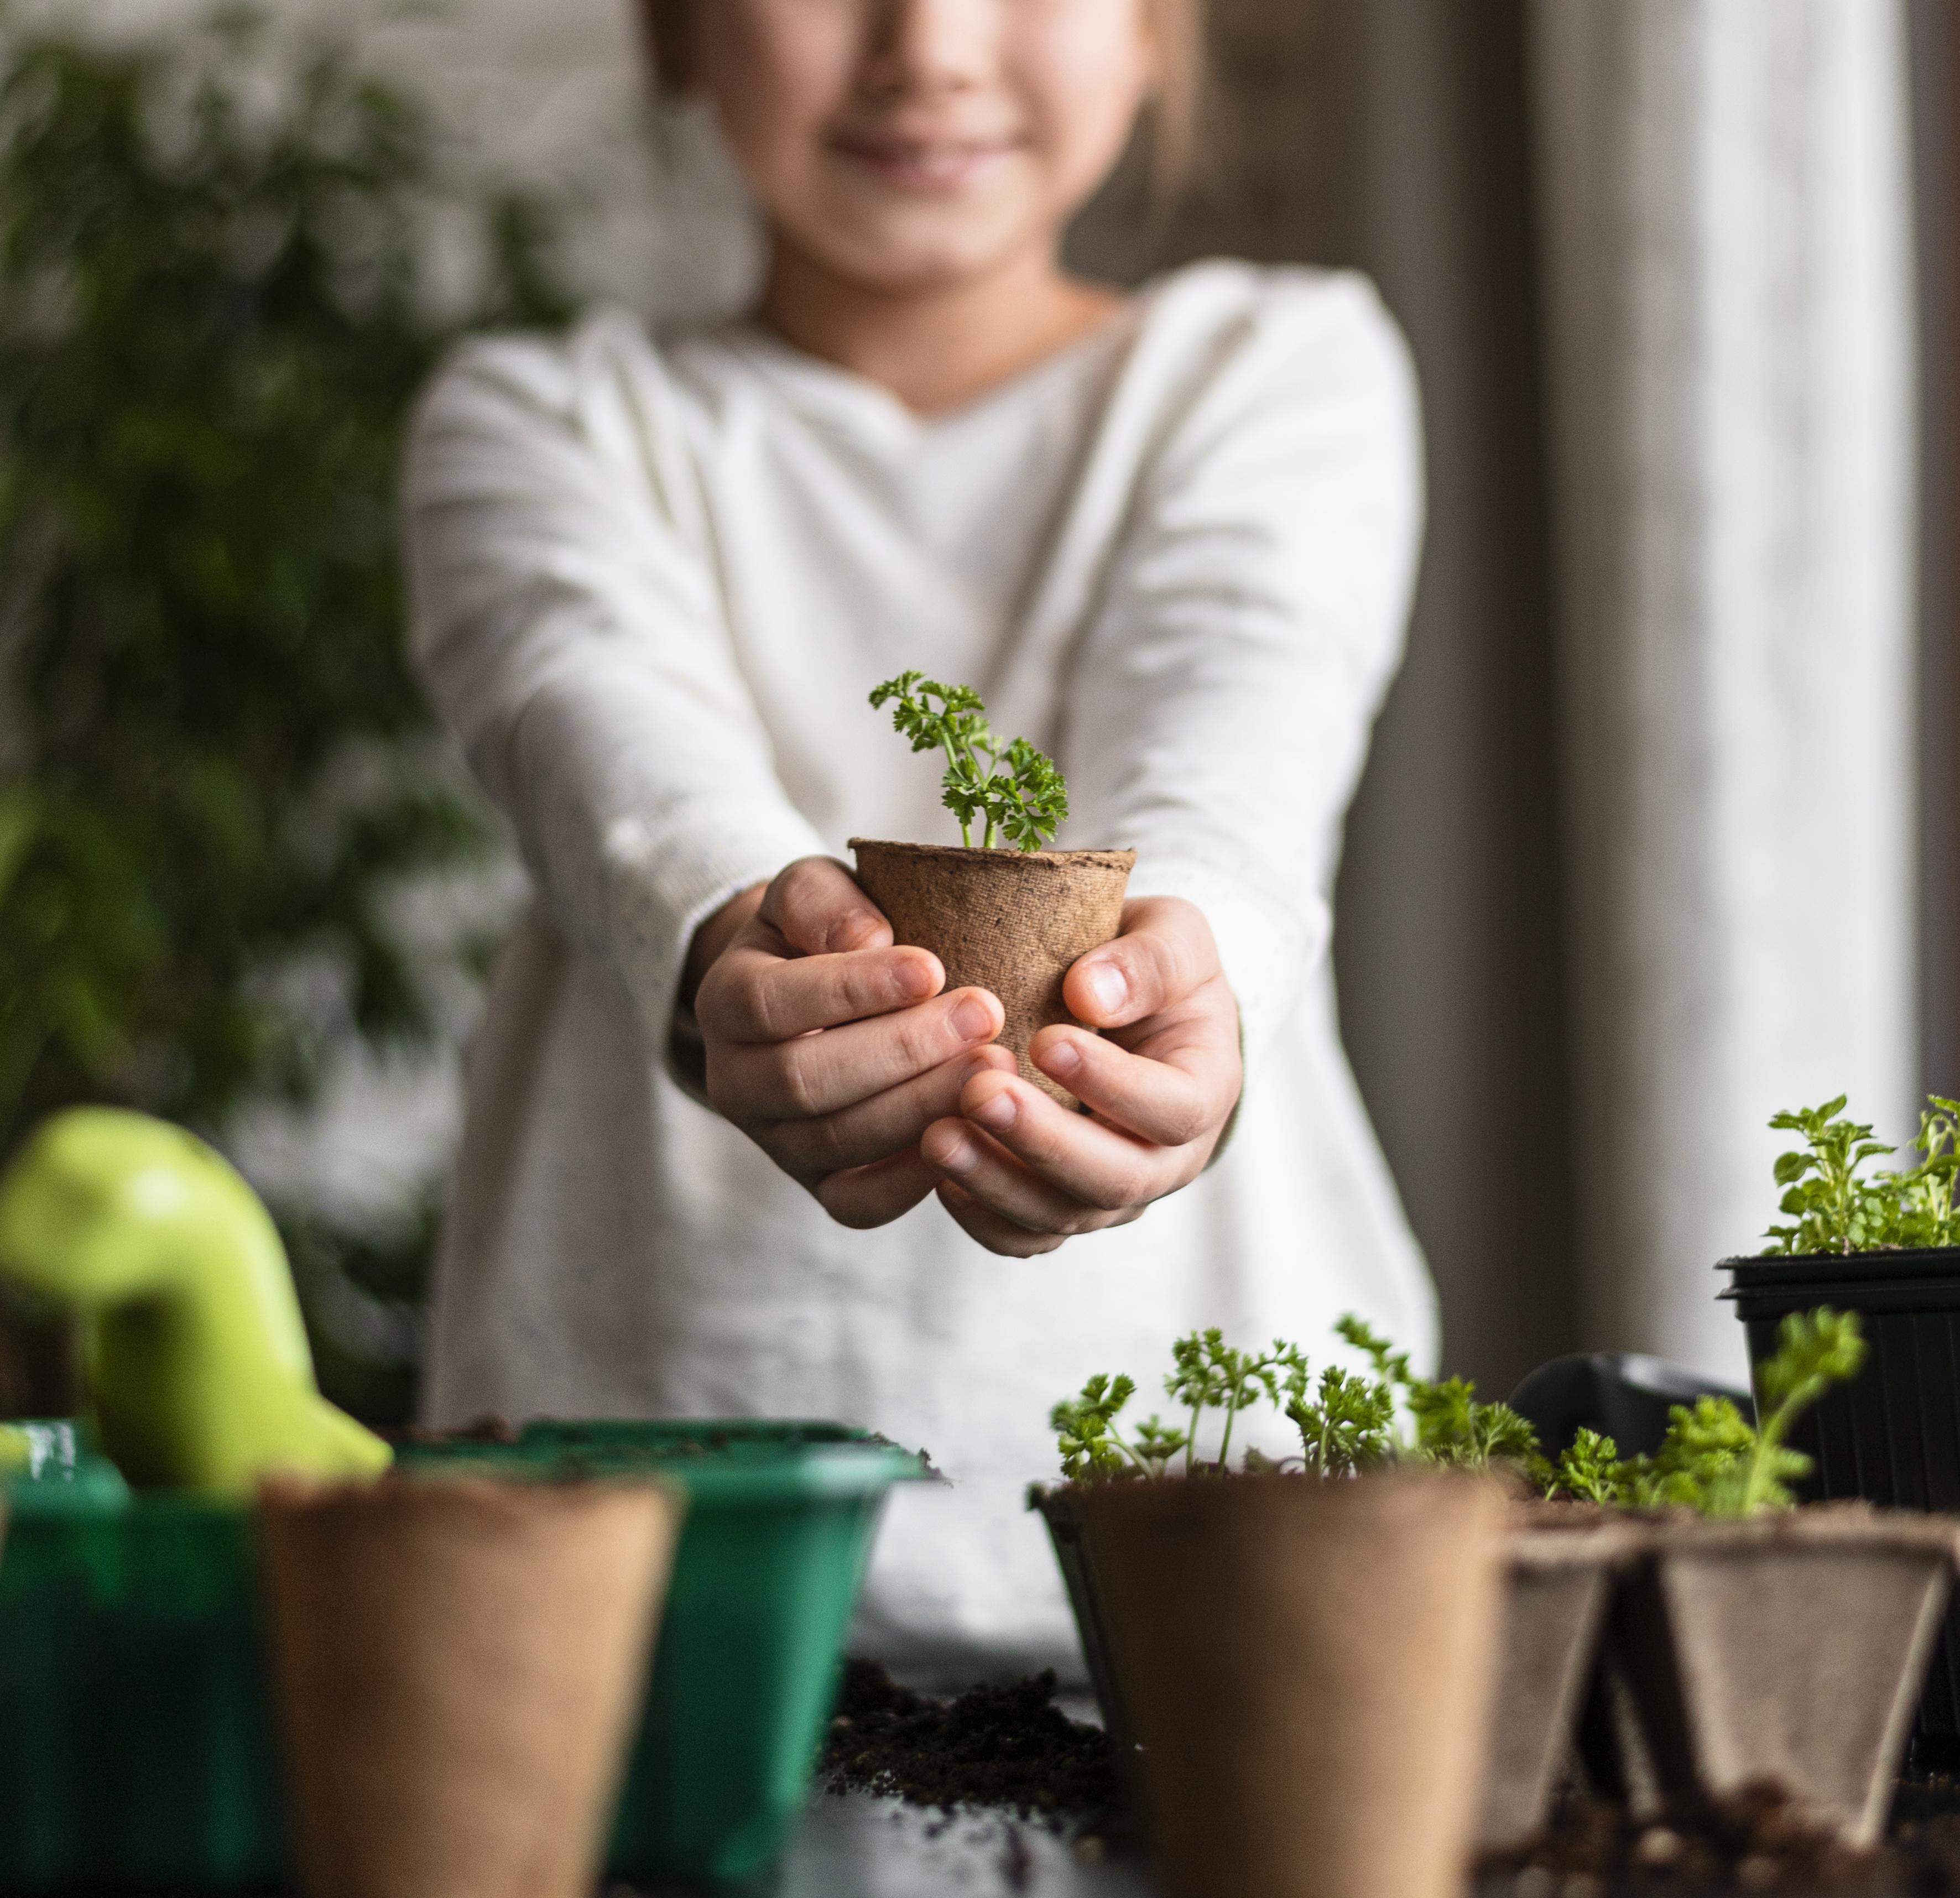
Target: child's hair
1177, 112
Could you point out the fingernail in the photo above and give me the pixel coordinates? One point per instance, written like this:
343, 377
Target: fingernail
960, 1156
997, 1114
973, 1020
1107, 985
1061, 1059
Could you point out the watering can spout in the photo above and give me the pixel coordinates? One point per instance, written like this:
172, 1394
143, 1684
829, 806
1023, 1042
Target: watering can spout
197, 1359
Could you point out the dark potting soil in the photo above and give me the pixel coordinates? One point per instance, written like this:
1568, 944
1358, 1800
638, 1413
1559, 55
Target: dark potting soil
1009, 1748
1757, 1841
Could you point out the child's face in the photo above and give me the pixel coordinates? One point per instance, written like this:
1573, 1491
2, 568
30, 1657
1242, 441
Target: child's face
911, 143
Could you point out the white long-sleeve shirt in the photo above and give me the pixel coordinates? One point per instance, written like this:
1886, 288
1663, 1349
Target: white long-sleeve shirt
653, 587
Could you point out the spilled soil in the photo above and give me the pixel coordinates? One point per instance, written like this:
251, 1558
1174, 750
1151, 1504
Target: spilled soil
1007, 1748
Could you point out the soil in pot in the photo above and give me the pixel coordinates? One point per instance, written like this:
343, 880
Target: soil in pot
458, 1662
1009, 921
1561, 1562
1790, 1649
1308, 1667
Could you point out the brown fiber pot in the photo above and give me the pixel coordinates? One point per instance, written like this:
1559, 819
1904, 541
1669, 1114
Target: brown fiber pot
1792, 1647
1009, 921
458, 1663
1307, 1668
1561, 1564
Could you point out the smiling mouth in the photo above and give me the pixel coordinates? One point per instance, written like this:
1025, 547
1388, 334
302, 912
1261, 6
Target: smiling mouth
933, 167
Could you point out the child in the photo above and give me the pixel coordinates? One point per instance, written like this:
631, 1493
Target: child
728, 1150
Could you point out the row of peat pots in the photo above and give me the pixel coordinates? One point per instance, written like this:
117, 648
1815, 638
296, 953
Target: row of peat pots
483, 1677
1353, 1690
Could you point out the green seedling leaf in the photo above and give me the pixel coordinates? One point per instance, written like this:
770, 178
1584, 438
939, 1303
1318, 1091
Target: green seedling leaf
1011, 790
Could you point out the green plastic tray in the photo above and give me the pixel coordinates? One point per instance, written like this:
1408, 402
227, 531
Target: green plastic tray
138, 1746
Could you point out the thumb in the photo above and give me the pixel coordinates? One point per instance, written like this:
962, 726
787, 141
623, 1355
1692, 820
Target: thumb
1165, 951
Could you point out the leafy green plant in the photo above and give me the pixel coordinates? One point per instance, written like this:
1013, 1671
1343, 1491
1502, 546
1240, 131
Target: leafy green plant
218, 773
1346, 1420
1837, 1206
1091, 1444
1451, 1427
1712, 1459
1010, 789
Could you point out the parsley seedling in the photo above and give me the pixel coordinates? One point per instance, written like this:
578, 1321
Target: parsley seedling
1346, 1419
1011, 789
1092, 1446
1452, 1427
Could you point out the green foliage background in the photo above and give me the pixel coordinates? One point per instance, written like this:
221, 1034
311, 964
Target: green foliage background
216, 767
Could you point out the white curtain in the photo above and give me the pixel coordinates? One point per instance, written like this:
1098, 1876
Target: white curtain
1728, 293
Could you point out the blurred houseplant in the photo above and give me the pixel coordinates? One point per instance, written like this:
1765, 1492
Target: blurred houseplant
217, 774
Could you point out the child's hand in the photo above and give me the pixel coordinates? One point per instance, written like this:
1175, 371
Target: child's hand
1161, 1081
831, 1049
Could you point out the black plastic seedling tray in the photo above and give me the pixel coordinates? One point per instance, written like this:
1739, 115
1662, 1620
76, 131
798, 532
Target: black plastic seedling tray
1891, 1436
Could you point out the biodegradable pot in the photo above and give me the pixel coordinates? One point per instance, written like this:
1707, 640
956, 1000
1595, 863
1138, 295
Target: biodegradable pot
1560, 1566
458, 1663
1010, 921
1790, 1647
1056, 1507
1309, 1668
1891, 1435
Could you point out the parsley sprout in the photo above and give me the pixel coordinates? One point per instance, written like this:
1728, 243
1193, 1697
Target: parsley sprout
1452, 1427
1209, 1375
1588, 1469
1346, 1425
1091, 1444
1011, 788
1346, 1419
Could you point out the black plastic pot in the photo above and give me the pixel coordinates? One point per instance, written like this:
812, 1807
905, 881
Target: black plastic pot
1892, 1436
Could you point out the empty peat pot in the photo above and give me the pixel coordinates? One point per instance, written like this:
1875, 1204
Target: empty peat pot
1007, 921
1891, 1436
1791, 1647
1561, 1564
458, 1663
1308, 1668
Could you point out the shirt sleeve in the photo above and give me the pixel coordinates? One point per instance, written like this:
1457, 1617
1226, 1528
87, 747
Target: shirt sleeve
1218, 713
568, 618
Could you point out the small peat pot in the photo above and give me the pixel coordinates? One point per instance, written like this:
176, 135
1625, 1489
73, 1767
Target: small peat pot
1891, 1436
1308, 1667
1561, 1565
1057, 1508
1791, 1647
1010, 921
457, 1662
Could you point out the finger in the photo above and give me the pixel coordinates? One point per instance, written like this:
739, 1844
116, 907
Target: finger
1166, 950
756, 995
987, 1173
817, 906
887, 1124
875, 1195
1054, 1165
1172, 1089
818, 1074
997, 1235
